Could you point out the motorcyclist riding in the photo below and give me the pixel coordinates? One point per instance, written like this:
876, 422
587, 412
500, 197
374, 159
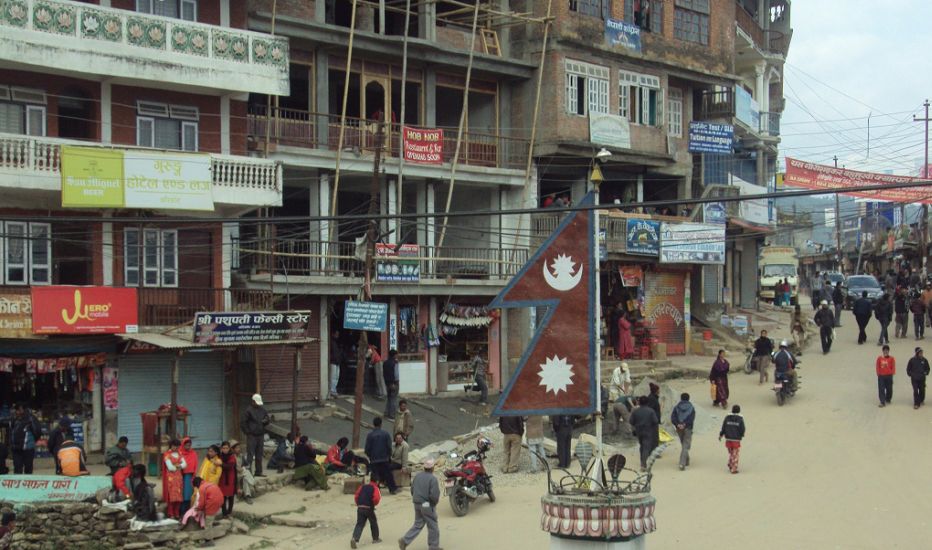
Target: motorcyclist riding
785, 365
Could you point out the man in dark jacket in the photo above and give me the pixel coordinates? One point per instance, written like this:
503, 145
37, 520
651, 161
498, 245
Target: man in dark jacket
862, 310
838, 299
683, 417
390, 374
826, 323
512, 428
379, 452
653, 398
255, 419
918, 369
306, 467
733, 432
26, 431
763, 351
563, 430
646, 427
118, 456
918, 309
883, 312
901, 312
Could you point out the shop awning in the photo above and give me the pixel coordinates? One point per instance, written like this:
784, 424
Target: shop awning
58, 345
167, 342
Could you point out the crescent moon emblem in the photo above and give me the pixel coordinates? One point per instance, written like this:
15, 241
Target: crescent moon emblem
562, 283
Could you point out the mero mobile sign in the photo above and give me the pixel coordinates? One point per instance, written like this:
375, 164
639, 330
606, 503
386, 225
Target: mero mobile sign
245, 327
84, 310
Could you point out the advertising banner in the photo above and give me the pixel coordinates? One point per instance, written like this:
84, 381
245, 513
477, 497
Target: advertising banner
368, 316
706, 137
15, 315
397, 263
642, 237
621, 33
91, 177
714, 212
747, 109
753, 210
665, 309
84, 310
631, 275
692, 243
610, 130
246, 327
819, 176
169, 181
38, 488
422, 145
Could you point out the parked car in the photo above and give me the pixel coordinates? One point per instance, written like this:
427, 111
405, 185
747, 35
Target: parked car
856, 284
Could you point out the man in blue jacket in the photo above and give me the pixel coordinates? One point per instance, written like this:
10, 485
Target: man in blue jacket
379, 451
862, 310
683, 417
26, 431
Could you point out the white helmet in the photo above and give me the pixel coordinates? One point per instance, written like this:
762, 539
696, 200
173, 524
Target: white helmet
784, 344
824, 303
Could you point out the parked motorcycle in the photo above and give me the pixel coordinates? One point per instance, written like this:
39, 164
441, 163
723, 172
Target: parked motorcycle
469, 480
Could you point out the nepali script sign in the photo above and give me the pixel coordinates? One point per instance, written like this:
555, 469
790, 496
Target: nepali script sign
33, 488
247, 327
422, 145
15, 315
819, 176
706, 137
692, 243
368, 316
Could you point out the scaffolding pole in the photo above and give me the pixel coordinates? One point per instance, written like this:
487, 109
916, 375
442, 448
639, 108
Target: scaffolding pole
346, 79
401, 156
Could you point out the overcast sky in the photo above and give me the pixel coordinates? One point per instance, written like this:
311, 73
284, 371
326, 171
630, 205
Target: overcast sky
849, 58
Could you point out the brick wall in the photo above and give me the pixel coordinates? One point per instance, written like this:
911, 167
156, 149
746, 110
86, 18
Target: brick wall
54, 87
124, 115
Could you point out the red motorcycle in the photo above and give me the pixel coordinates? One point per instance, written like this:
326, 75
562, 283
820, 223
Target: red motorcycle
469, 480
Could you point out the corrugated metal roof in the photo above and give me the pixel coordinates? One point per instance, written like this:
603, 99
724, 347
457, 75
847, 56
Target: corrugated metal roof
165, 341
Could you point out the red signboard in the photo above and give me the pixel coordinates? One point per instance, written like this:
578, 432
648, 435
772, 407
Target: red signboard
83, 310
818, 176
665, 309
423, 146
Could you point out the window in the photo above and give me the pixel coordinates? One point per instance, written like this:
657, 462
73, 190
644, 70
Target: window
26, 253
150, 257
595, 8
22, 111
166, 126
640, 98
179, 9
691, 21
675, 112
646, 14
586, 88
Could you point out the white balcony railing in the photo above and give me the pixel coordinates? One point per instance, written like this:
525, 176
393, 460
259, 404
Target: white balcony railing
41, 156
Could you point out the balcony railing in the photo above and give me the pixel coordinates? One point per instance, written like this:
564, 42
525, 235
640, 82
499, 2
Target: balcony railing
769, 40
300, 128
717, 104
40, 155
770, 124
303, 258
163, 307
748, 24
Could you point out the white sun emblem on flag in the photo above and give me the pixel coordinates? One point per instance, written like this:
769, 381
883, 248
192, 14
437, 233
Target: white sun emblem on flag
556, 374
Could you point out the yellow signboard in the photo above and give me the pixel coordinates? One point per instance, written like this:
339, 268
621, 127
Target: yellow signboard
91, 177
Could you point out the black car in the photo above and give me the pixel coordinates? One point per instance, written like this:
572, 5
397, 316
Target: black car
857, 284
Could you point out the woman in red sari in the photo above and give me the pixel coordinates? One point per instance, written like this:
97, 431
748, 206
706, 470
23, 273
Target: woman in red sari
187, 475
625, 341
228, 477
719, 378
173, 465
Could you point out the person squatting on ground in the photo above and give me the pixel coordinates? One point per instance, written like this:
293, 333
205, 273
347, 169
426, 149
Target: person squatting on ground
886, 368
918, 369
862, 310
763, 351
646, 427
247, 483
306, 467
512, 428
367, 497
341, 459
425, 492
255, 419
733, 432
619, 391
683, 418
825, 320
207, 503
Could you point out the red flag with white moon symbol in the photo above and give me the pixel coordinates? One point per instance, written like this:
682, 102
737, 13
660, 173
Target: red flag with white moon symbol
556, 374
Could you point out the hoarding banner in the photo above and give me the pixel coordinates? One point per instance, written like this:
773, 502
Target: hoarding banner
705, 137
621, 33
819, 176
692, 243
642, 237
246, 327
15, 315
91, 177
609, 130
37, 488
84, 310
368, 316
397, 263
631, 275
423, 145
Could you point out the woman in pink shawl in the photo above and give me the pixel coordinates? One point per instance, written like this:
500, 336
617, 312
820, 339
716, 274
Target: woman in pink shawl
625, 341
719, 378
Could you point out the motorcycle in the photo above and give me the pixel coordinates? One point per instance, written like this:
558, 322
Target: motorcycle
783, 387
469, 480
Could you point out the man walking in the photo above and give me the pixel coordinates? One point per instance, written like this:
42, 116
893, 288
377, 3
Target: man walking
336, 359
918, 369
886, 368
379, 452
826, 323
918, 309
480, 370
563, 430
255, 419
425, 492
512, 428
733, 432
883, 312
646, 427
26, 431
901, 312
390, 374
683, 417
763, 350
838, 299
862, 313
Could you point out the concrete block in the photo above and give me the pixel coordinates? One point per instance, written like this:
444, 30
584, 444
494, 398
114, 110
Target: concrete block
402, 479
350, 484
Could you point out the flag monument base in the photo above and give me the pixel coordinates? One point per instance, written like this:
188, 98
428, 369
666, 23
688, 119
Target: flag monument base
601, 521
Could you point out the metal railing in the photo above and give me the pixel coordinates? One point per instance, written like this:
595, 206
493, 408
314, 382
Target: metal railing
770, 124
717, 104
163, 307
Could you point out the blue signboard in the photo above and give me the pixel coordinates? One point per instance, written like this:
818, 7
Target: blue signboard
714, 212
368, 316
746, 109
706, 137
642, 237
620, 33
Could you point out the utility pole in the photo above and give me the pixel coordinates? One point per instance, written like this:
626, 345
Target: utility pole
841, 268
923, 223
363, 344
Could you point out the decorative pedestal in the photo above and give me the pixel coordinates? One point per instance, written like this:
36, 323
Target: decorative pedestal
597, 522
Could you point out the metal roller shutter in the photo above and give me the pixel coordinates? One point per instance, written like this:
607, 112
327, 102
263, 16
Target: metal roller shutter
665, 297
145, 384
711, 284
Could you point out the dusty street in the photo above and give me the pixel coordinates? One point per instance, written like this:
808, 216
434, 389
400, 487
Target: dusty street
828, 470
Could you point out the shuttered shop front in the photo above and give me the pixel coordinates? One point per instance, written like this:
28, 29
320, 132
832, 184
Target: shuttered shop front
145, 384
665, 311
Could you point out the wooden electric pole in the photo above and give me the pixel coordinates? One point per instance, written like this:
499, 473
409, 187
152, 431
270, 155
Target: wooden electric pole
923, 223
841, 268
371, 235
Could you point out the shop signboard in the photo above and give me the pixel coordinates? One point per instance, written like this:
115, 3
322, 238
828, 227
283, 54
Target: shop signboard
692, 243
15, 315
714, 212
631, 275
609, 130
423, 145
397, 263
622, 33
710, 138
665, 308
368, 316
91, 177
819, 176
38, 488
248, 327
84, 310
642, 237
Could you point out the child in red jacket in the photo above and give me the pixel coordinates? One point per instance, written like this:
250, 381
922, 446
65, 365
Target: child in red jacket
367, 498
